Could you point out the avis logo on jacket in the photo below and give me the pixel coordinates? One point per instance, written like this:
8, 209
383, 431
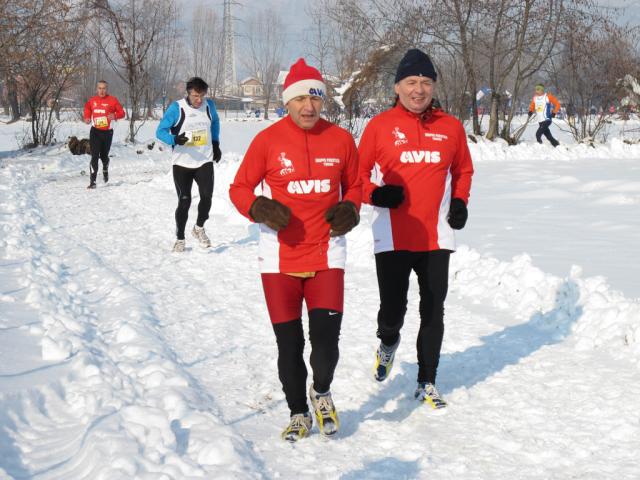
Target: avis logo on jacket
433, 165
309, 171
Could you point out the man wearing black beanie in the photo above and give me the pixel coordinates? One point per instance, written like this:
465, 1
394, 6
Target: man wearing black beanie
420, 189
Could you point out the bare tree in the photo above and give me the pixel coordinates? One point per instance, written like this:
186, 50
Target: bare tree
596, 53
206, 47
135, 25
163, 63
44, 58
23, 21
265, 44
517, 37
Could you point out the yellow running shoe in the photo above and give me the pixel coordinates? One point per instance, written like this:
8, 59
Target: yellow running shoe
325, 411
428, 394
384, 360
299, 427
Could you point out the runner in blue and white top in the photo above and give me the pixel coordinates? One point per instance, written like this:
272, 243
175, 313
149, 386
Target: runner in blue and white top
192, 128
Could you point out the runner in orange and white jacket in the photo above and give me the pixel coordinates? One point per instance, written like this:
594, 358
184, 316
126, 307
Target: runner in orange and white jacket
311, 191
545, 107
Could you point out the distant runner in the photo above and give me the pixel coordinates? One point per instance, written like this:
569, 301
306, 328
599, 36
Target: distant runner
99, 112
544, 106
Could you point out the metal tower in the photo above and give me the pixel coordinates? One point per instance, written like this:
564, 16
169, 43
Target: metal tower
229, 61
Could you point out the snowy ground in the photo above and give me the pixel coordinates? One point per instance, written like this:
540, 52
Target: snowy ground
120, 360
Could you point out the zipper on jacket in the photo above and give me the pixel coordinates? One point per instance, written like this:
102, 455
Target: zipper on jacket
418, 124
306, 145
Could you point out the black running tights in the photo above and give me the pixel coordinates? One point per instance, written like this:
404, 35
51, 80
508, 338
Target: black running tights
324, 332
183, 179
432, 268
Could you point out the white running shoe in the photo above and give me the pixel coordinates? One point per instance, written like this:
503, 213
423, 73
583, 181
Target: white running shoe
179, 246
199, 233
325, 411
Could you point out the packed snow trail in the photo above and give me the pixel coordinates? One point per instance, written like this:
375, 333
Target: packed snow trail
166, 363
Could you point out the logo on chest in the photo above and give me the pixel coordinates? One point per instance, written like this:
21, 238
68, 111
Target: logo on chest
328, 162
400, 137
309, 186
286, 165
438, 137
420, 156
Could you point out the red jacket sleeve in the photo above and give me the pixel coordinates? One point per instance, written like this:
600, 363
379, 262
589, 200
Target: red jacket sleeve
367, 156
461, 169
251, 172
532, 106
350, 181
87, 110
119, 111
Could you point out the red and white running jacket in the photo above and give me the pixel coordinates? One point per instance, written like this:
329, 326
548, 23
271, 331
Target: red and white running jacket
308, 171
431, 160
97, 109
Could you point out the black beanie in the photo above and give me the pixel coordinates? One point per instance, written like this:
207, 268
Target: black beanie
415, 62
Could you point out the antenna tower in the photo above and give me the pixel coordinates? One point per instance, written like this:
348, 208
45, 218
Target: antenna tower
229, 61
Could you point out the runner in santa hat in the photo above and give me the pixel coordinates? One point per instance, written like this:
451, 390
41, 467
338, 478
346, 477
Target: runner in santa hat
308, 171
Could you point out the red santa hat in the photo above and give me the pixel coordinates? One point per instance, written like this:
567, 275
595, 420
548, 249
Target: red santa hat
303, 80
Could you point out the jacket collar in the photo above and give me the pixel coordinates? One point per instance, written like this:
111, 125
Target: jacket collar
423, 117
317, 128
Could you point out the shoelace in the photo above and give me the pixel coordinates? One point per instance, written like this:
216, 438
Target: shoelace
297, 421
431, 391
385, 356
325, 405
202, 236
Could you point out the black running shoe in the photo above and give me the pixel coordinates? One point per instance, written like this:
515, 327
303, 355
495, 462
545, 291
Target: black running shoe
105, 175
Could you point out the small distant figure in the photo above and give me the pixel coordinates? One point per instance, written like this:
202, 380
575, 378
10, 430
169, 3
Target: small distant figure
99, 112
545, 106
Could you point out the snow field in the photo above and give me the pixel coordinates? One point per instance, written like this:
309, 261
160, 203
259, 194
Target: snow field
158, 365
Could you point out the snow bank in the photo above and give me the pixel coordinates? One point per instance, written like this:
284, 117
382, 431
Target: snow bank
499, 150
586, 310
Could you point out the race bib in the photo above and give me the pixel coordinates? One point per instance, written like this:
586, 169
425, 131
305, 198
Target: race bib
101, 122
197, 138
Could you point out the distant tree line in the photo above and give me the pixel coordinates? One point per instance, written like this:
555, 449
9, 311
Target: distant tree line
488, 53
578, 48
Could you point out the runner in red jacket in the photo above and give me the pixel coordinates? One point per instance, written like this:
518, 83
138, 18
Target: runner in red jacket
311, 191
99, 112
416, 171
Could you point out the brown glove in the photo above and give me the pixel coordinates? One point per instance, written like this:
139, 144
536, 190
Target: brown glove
342, 217
272, 213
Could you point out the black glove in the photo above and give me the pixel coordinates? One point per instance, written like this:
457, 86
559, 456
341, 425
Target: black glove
217, 154
553, 115
342, 217
272, 213
530, 114
388, 196
181, 139
457, 214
